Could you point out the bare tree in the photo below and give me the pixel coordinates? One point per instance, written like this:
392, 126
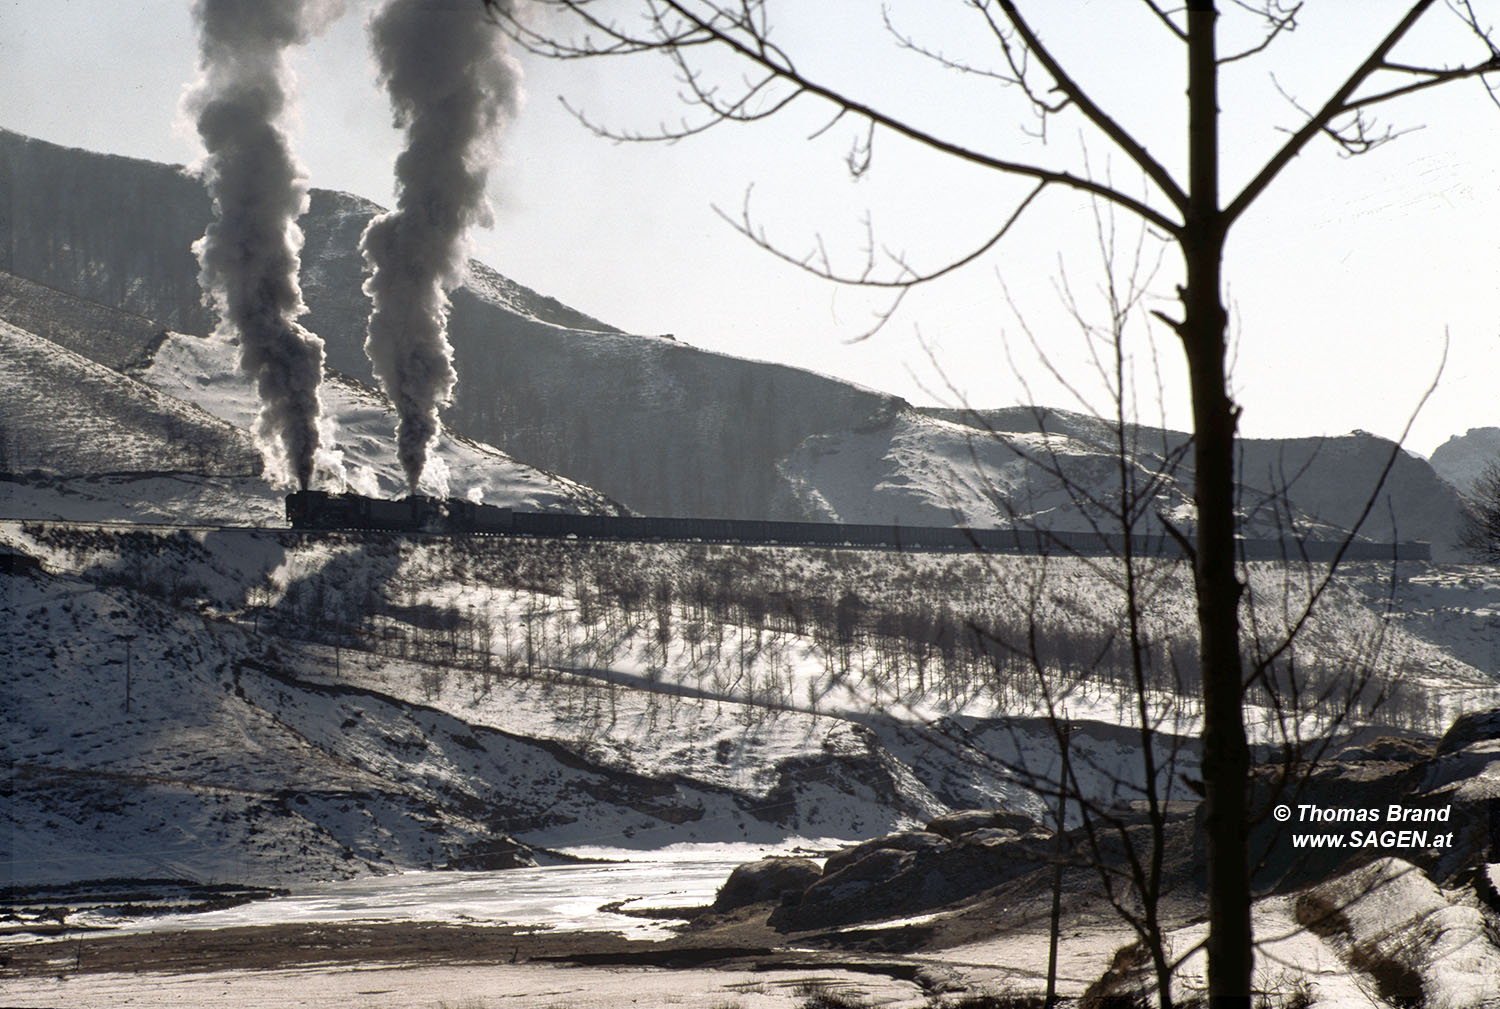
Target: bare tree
1481, 532
1189, 210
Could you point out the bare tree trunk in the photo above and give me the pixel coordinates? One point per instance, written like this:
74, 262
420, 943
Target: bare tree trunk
1225, 757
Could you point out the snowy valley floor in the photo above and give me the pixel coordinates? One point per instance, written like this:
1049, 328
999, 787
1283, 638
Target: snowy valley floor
995, 946
737, 963
734, 961
238, 707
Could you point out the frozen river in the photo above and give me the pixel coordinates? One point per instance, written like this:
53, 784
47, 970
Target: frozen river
551, 897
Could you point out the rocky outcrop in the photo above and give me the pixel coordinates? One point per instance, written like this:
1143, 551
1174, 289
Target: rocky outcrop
965, 821
769, 879
1448, 790
891, 882
893, 875
501, 853
911, 841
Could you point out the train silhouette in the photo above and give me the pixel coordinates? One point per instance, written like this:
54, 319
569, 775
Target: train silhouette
320, 510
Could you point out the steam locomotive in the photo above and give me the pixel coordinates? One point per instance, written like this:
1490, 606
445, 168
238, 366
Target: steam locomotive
320, 510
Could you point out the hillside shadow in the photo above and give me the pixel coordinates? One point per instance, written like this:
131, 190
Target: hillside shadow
343, 596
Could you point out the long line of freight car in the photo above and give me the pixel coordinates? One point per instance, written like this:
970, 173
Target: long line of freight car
321, 510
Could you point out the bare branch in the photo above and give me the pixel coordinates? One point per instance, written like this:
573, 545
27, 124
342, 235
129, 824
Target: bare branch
909, 43
673, 29
1065, 84
1342, 102
1165, 16
818, 264
1433, 78
1278, 20
1356, 136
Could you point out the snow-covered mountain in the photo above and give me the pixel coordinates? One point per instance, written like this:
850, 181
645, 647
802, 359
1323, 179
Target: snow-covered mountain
1462, 459
1317, 487
104, 415
660, 426
256, 705
359, 421
62, 413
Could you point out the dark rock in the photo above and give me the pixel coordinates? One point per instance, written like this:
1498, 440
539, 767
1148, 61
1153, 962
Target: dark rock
505, 854
875, 866
766, 879
910, 840
956, 824
1475, 727
888, 882
1451, 791
845, 894
1390, 749
989, 836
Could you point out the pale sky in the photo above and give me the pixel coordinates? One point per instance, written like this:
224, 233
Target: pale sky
1342, 280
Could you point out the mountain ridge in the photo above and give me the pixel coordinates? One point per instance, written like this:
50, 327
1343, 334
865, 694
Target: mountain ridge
664, 427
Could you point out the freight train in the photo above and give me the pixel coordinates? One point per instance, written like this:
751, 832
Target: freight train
452, 516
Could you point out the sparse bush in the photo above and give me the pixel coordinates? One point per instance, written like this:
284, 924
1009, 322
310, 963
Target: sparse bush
817, 994
1003, 1000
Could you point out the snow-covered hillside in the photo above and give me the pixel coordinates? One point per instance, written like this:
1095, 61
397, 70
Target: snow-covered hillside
658, 425
169, 714
1462, 459
360, 423
111, 418
309, 706
108, 336
1312, 487
64, 414
172, 443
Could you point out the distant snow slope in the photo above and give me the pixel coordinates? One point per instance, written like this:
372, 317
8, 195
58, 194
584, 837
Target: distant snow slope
1316, 487
64, 414
165, 498
922, 470
116, 339
109, 417
361, 430
83, 441
658, 425
1462, 459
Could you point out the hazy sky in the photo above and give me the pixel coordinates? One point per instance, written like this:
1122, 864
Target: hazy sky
1343, 279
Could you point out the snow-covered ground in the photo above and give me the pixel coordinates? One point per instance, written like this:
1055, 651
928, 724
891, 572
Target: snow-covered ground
343, 715
570, 897
376, 676
528, 986
358, 450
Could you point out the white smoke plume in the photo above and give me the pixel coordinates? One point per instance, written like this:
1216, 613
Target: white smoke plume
451, 87
250, 256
